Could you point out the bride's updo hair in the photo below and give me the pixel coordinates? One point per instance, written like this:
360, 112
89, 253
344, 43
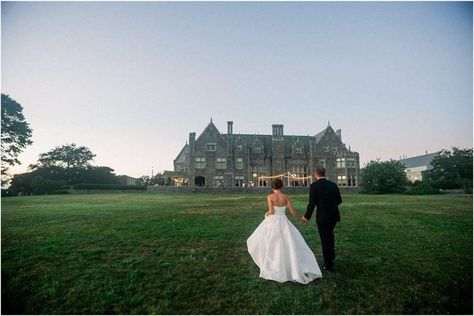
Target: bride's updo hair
277, 184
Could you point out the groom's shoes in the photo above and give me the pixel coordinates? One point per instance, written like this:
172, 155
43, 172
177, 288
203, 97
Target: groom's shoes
329, 267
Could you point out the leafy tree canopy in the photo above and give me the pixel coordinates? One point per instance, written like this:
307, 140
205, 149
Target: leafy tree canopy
67, 156
452, 169
383, 177
16, 133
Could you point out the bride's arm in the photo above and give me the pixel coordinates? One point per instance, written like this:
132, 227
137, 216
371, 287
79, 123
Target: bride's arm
292, 210
270, 206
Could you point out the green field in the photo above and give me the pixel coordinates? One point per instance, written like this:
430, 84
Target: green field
187, 254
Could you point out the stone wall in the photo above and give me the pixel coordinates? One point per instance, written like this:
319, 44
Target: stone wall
96, 191
240, 190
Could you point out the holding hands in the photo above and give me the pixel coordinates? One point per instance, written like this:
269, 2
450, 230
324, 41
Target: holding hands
303, 219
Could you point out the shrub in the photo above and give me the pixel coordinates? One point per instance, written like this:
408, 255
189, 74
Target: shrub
422, 187
7, 192
60, 192
41, 185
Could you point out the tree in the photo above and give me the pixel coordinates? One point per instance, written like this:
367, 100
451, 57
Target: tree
16, 133
143, 180
21, 183
62, 166
96, 175
68, 157
383, 177
158, 179
452, 169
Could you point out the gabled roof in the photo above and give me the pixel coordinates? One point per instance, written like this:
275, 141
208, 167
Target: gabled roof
184, 150
419, 161
320, 135
297, 143
211, 127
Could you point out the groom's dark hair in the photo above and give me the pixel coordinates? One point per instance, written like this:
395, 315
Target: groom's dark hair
277, 184
321, 172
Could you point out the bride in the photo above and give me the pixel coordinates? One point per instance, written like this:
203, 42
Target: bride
278, 248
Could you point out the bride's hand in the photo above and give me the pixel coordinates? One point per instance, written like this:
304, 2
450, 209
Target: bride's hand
268, 213
303, 219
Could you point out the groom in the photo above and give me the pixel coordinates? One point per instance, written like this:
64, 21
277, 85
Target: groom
325, 195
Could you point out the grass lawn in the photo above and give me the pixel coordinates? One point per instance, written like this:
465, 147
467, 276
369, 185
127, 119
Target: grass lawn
186, 254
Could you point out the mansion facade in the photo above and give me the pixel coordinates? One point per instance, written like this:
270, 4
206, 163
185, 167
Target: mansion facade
214, 159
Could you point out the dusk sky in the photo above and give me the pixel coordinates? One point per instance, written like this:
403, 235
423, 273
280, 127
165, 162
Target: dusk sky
131, 80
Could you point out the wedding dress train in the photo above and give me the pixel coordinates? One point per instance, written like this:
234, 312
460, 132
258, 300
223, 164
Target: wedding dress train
280, 251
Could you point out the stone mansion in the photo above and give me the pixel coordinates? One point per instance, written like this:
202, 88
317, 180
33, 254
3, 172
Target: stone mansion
214, 159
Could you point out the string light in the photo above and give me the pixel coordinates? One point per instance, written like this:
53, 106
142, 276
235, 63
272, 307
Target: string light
178, 179
285, 175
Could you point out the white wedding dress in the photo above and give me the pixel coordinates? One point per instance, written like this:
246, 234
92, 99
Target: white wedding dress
280, 251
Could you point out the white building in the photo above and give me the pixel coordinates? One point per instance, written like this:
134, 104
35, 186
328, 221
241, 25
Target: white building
414, 166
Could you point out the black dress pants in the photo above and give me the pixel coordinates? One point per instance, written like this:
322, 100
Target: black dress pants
326, 233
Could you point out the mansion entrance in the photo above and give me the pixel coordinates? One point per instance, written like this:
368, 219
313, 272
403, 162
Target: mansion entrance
199, 181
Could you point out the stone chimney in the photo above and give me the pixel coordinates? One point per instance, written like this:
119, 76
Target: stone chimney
229, 127
338, 133
192, 138
277, 130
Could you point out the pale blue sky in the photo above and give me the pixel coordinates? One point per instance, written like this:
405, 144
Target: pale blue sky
131, 80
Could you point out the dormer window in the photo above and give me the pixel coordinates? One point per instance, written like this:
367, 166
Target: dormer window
326, 149
298, 150
257, 150
211, 147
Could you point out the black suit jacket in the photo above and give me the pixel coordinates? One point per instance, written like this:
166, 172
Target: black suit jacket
325, 195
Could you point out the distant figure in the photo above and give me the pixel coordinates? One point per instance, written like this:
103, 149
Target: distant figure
278, 248
325, 195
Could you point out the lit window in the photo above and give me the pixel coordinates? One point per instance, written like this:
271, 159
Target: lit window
340, 163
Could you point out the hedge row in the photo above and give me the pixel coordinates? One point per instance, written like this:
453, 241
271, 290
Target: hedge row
92, 186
